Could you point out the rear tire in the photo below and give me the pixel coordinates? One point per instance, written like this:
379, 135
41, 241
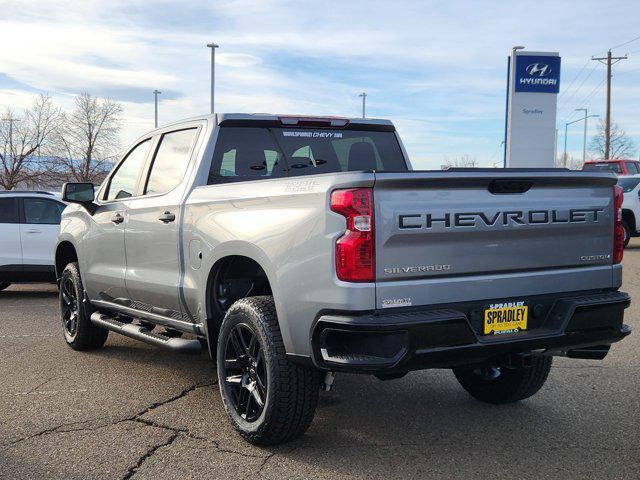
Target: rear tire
4, 285
627, 233
75, 313
504, 385
269, 399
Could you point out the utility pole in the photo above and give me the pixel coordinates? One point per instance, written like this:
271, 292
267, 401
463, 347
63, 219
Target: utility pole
155, 98
609, 61
213, 47
364, 99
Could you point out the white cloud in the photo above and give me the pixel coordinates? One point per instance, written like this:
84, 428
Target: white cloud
437, 69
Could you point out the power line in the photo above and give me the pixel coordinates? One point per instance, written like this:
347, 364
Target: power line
567, 100
587, 98
625, 43
568, 87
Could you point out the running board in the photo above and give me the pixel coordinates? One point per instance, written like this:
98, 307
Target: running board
138, 332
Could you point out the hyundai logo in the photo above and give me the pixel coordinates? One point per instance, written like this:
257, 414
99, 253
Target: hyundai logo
538, 69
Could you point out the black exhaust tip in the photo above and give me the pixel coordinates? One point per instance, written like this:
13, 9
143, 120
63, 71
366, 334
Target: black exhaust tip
590, 353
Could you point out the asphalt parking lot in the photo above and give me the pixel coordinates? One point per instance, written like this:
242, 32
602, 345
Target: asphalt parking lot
134, 411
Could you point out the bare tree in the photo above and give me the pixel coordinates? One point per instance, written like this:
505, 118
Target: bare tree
24, 140
621, 145
463, 161
565, 160
89, 140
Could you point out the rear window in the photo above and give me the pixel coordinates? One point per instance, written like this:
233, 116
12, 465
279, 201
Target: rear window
632, 167
8, 210
607, 166
42, 211
628, 184
248, 153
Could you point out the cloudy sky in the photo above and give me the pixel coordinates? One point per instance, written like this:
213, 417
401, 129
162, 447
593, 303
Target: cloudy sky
437, 69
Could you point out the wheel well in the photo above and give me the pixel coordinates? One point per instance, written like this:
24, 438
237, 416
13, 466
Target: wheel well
230, 279
629, 217
65, 254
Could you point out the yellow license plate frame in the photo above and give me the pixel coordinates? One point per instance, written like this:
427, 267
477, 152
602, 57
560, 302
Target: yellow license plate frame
505, 319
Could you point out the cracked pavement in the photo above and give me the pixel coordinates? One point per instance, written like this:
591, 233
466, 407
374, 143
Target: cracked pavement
133, 411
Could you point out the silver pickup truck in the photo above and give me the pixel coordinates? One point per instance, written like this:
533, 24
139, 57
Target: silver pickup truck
293, 248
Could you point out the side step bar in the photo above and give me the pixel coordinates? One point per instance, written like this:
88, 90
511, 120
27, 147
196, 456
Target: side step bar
138, 332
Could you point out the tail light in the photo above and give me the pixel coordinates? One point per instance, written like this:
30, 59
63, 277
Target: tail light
618, 239
355, 250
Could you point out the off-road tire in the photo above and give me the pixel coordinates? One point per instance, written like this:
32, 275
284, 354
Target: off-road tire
292, 390
87, 336
511, 385
4, 285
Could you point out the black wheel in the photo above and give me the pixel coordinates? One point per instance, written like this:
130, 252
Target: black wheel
79, 332
4, 285
269, 399
495, 384
627, 233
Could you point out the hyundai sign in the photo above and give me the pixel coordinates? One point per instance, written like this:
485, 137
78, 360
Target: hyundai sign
540, 74
531, 109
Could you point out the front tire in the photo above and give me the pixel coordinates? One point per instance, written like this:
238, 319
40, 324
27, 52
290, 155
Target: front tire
494, 384
4, 285
269, 399
75, 313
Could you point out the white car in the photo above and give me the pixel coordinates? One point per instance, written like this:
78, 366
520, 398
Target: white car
630, 206
29, 226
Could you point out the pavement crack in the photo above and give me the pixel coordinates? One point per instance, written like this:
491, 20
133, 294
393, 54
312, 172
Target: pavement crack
41, 384
180, 395
269, 457
148, 454
62, 428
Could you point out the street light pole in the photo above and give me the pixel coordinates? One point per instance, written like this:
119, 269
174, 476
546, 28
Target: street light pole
585, 135
213, 47
564, 156
155, 100
364, 99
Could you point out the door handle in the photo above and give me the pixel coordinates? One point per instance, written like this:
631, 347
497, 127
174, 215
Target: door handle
167, 217
33, 231
117, 218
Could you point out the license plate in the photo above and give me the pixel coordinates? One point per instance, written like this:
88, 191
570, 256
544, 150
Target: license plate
505, 318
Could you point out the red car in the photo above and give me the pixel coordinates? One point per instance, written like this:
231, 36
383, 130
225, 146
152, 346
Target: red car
618, 166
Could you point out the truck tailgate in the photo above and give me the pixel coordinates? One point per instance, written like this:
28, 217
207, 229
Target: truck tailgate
482, 225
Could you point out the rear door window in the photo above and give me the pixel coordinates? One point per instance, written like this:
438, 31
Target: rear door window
632, 168
41, 211
171, 161
9, 210
246, 153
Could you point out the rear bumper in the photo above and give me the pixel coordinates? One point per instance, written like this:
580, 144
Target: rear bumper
579, 325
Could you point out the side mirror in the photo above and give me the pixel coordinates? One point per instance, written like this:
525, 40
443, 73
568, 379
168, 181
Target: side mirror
82, 193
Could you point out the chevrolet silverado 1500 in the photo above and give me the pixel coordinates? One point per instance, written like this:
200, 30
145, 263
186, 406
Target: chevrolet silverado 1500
296, 247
